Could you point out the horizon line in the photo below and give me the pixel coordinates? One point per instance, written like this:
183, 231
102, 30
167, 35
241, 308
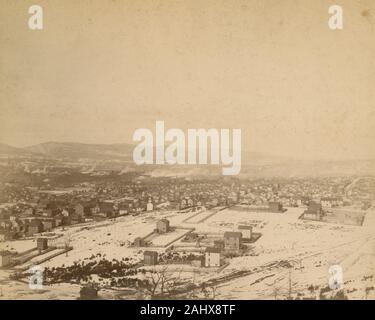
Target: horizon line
300, 158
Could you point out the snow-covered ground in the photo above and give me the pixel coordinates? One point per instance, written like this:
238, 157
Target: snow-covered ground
309, 247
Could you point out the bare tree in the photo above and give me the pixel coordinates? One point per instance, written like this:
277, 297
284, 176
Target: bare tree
160, 282
173, 282
208, 292
155, 278
213, 292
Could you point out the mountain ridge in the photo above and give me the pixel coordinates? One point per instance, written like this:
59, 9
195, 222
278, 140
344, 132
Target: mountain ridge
253, 163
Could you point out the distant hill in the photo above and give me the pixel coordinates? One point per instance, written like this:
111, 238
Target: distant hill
113, 156
309, 168
7, 150
75, 151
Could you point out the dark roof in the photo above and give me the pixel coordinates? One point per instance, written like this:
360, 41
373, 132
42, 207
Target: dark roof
212, 250
36, 223
5, 253
88, 292
232, 234
313, 205
302, 197
150, 253
245, 227
86, 205
19, 221
106, 205
309, 211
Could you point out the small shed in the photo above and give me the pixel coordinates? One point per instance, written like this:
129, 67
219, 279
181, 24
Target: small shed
5, 258
162, 226
150, 258
232, 240
88, 292
42, 244
246, 231
275, 206
212, 257
139, 242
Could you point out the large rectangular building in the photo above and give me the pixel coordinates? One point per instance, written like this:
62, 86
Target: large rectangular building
232, 240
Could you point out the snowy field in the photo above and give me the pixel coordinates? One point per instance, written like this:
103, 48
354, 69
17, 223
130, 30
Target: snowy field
309, 247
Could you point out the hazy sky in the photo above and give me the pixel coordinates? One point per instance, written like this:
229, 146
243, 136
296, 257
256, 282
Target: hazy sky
101, 69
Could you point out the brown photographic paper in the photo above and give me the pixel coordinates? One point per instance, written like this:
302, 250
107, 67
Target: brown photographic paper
187, 149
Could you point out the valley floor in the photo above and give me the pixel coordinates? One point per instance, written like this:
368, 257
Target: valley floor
291, 259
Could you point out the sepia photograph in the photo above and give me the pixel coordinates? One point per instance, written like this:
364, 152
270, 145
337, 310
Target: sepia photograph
214, 150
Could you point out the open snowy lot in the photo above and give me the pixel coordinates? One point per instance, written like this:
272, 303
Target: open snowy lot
289, 257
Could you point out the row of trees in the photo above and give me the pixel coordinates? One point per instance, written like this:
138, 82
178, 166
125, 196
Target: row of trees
82, 271
119, 273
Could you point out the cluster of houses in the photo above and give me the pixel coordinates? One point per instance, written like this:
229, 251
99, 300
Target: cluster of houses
232, 242
302, 201
39, 220
295, 193
108, 201
179, 195
317, 210
331, 202
47, 215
